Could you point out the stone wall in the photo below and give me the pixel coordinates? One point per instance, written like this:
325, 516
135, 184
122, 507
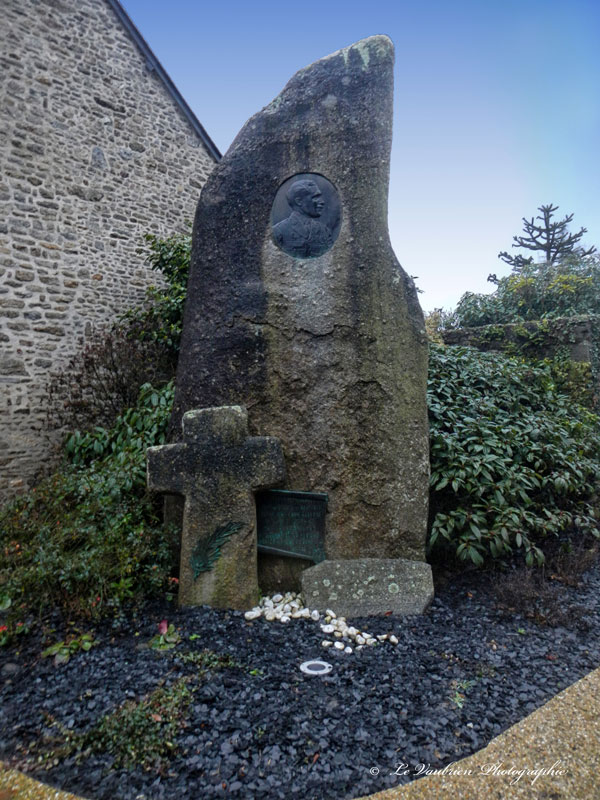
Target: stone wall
96, 149
574, 337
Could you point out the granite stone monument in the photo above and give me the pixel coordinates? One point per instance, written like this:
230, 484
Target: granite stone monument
298, 310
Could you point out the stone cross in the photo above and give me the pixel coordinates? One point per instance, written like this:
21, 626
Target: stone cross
217, 468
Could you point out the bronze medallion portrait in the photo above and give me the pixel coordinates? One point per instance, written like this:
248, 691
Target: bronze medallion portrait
306, 215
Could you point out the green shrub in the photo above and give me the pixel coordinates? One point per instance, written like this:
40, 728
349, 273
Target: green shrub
89, 537
513, 461
533, 292
160, 319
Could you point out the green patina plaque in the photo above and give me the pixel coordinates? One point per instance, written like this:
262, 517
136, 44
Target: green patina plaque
292, 523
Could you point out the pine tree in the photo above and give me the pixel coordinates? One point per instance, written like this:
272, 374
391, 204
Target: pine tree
550, 238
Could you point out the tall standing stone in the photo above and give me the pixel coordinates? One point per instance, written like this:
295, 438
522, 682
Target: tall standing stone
298, 309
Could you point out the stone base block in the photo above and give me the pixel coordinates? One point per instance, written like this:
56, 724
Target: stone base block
369, 587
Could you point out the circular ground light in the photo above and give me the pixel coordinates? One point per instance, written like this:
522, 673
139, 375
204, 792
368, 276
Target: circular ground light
316, 667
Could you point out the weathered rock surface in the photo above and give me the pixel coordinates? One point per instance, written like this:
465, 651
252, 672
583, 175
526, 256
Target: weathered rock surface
369, 586
216, 468
298, 309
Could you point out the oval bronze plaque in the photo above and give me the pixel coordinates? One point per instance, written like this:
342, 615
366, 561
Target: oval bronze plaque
306, 215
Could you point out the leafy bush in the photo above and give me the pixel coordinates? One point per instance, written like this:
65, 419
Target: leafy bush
105, 377
89, 537
160, 319
533, 292
513, 462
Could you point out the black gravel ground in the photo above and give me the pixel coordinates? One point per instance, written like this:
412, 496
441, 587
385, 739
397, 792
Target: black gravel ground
262, 730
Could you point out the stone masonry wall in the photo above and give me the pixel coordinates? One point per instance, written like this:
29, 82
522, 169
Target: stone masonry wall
94, 152
576, 337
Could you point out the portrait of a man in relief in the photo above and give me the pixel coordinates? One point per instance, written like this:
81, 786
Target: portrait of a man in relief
302, 234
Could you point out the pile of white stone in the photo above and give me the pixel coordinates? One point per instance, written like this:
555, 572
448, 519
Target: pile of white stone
341, 636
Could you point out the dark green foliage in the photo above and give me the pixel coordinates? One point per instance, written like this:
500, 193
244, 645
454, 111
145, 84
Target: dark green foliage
550, 238
207, 551
161, 318
513, 461
89, 536
534, 292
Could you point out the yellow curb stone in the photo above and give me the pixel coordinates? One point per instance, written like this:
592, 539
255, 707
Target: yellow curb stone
562, 737
16, 786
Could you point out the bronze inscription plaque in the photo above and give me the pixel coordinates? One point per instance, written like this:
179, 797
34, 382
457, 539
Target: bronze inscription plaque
291, 523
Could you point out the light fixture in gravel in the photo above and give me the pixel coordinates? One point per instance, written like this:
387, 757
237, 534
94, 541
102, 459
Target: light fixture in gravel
316, 667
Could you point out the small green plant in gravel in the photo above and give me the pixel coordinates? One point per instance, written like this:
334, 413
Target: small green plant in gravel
62, 651
460, 688
208, 659
140, 733
166, 638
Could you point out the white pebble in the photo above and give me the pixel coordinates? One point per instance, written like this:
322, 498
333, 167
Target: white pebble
382, 637
393, 639
287, 608
269, 615
339, 645
284, 618
370, 641
352, 631
326, 643
277, 598
337, 634
347, 649
330, 613
314, 615
254, 614
327, 628
305, 613
360, 640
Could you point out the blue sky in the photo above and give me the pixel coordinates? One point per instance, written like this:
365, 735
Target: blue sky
497, 109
